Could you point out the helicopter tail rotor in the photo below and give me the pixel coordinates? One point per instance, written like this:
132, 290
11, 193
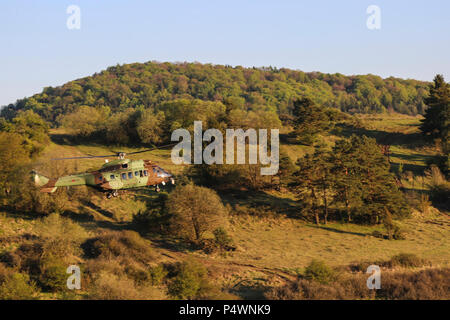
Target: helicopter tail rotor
39, 179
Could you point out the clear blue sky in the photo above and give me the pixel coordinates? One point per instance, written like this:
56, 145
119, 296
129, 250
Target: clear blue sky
38, 50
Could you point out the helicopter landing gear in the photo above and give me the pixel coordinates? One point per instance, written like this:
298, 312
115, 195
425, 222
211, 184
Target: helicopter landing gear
157, 189
111, 194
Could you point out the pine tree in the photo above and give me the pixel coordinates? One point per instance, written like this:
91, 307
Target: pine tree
286, 169
310, 120
347, 184
437, 116
377, 186
313, 183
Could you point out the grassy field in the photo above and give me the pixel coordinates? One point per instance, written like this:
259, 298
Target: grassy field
290, 244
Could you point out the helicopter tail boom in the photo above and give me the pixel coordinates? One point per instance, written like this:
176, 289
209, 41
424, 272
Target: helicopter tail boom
50, 185
43, 182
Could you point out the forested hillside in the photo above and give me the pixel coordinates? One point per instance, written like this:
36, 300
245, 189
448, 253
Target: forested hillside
148, 85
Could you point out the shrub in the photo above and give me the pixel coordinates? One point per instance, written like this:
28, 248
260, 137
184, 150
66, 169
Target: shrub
440, 194
222, 238
425, 284
429, 284
155, 218
189, 280
408, 260
56, 227
137, 273
221, 242
393, 230
27, 257
16, 286
320, 272
119, 244
196, 210
53, 275
302, 289
109, 286
439, 187
157, 274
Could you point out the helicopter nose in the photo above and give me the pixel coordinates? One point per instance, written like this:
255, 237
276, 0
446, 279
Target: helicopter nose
170, 178
166, 175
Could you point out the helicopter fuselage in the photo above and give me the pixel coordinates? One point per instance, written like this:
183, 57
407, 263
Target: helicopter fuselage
112, 176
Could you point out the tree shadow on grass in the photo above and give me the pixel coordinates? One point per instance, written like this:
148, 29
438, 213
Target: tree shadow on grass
172, 244
100, 210
341, 231
257, 199
382, 137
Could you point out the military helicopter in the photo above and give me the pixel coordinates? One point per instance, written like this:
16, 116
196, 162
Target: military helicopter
114, 175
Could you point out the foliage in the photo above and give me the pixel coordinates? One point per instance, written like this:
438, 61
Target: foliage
189, 280
407, 260
393, 230
429, 284
195, 210
222, 238
60, 228
255, 89
108, 286
312, 183
149, 127
355, 175
155, 218
437, 116
157, 274
119, 244
31, 127
85, 120
16, 286
439, 187
317, 270
53, 274
12, 155
310, 120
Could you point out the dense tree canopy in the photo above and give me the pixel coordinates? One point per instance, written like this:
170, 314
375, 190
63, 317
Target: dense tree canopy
242, 89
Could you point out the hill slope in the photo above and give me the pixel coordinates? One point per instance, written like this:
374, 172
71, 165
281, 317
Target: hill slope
147, 85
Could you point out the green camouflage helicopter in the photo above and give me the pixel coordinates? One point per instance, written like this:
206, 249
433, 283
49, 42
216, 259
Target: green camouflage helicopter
112, 176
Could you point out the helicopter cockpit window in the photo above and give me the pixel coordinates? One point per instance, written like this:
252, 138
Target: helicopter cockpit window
145, 173
141, 173
112, 177
125, 165
130, 175
136, 173
124, 176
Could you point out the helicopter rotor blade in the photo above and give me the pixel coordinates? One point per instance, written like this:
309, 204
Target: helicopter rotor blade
116, 154
85, 157
154, 148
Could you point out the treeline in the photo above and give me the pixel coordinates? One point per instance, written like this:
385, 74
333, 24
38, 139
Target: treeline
21, 139
151, 84
154, 125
